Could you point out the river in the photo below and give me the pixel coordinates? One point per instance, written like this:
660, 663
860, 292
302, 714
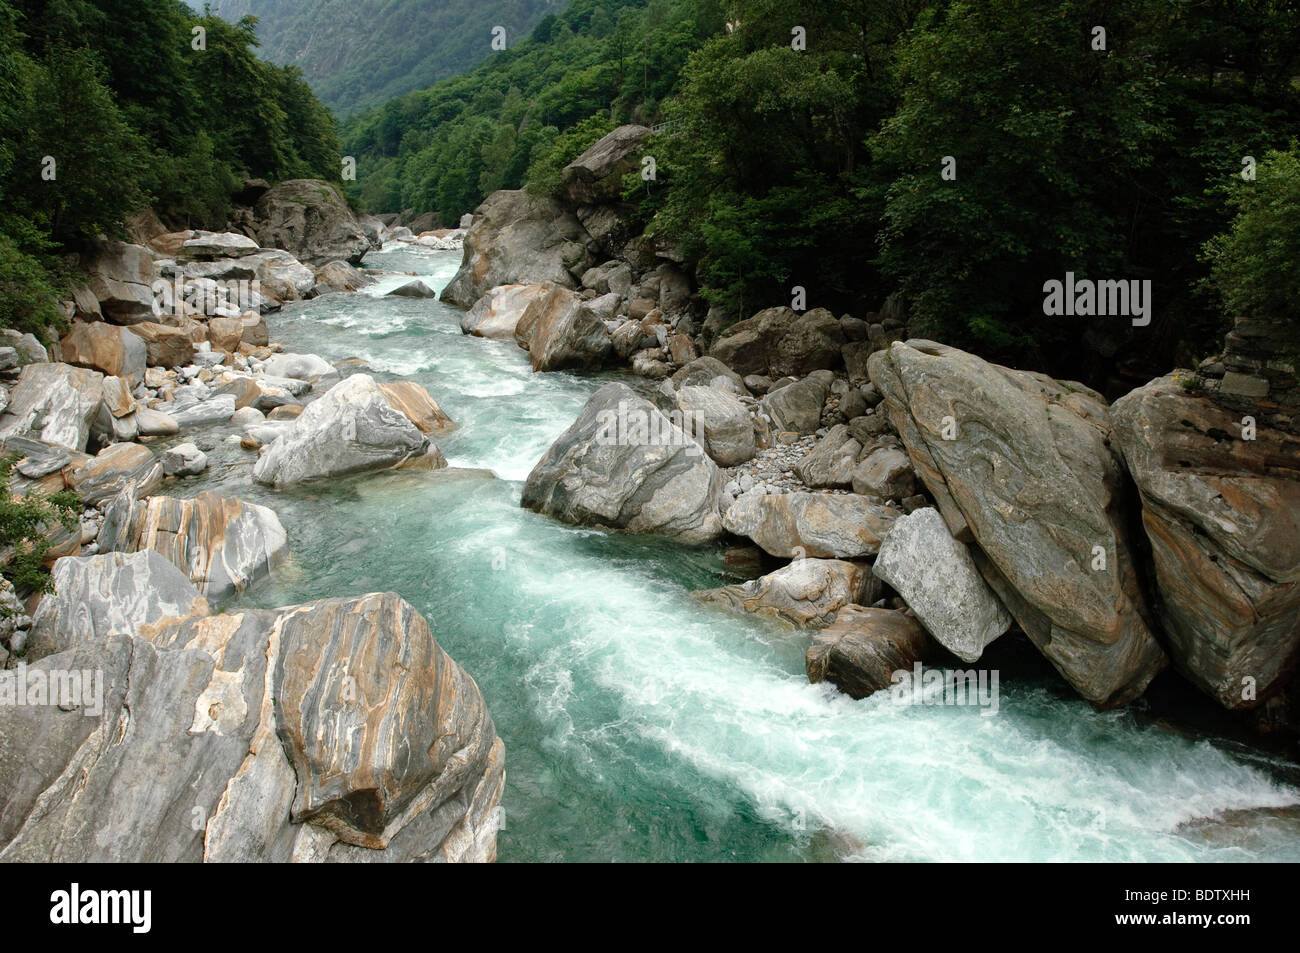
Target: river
640, 725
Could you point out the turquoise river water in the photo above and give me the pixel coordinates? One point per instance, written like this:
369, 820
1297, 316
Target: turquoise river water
640, 725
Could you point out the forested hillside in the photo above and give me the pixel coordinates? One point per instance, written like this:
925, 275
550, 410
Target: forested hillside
107, 108
359, 53
814, 156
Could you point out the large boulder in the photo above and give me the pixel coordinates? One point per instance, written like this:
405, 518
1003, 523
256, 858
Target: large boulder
120, 276
596, 176
339, 276
797, 407
282, 276
824, 525
165, 346
806, 593
519, 239
780, 342
418, 405
1022, 464
497, 313
1222, 514
130, 467
207, 246
223, 545
937, 578
623, 464
309, 219
561, 331
333, 731
705, 371
861, 650
830, 463
105, 348
352, 428
58, 402
720, 421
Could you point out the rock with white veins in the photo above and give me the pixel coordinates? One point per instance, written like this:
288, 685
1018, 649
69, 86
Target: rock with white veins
937, 578
823, 525
57, 401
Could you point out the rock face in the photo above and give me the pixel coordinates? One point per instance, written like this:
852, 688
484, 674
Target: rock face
937, 578
808, 592
1222, 515
120, 276
823, 525
57, 401
109, 594
861, 650
497, 313
723, 422
222, 545
309, 219
102, 347
518, 239
559, 330
624, 465
780, 342
333, 731
1031, 477
350, 429
597, 175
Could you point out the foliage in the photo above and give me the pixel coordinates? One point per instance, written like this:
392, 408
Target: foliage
24, 524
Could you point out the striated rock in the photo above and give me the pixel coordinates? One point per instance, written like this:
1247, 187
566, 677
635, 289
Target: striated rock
830, 463
419, 407
937, 578
122, 466
798, 407
861, 650
624, 465
1031, 477
155, 423
886, 473
780, 342
309, 219
720, 421
109, 594
216, 409
808, 592
795, 525
518, 239
282, 276
58, 402
102, 347
596, 176
1222, 515
118, 400
223, 545
350, 429
497, 313
560, 331
164, 346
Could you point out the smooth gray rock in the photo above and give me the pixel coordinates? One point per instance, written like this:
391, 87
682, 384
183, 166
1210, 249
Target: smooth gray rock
184, 460
797, 407
886, 473
831, 461
310, 219
721, 421
218, 409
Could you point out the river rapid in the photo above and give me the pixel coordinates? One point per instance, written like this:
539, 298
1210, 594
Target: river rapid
642, 726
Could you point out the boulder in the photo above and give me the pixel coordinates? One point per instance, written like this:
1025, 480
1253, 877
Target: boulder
413, 289
937, 578
118, 399
1222, 515
30, 350
184, 459
720, 422
282, 276
309, 219
518, 239
58, 402
856, 355
705, 371
613, 277
225, 334
861, 650
302, 367
105, 348
222, 545
155, 423
624, 465
120, 276
822, 525
831, 461
885, 472
780, 342
497, 313
419, 407
596, 176
120, 467
109, 594
806, 593
333, 731
560, 331
1030, 476
352, 428
164, 346
214, 410
339, 276
798, 407
209, 245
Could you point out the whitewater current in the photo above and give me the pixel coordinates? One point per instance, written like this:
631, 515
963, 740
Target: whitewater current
642, 725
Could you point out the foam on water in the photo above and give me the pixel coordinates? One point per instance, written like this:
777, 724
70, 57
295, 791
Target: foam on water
642, 725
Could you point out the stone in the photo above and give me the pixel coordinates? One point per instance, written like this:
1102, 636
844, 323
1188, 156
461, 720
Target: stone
856, 354
705, 371
164, 346
352, 428
105, 348
121, 466
58, 402
720, 421
155, 423
1222, 515
797, 407
560, 332
807, 593
184, 459
419, 407
310, 220
497, 313
936, 576
210, 245
885, 473
304, 367
120, 276
821, 525
861, 650
117, 397
596, 176
1033, 479
624, 465
779, 341
831, 461
339, 276
226, 333
1243, 385
214, 410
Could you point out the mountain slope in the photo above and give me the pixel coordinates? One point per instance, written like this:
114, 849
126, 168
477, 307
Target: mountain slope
359, 53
